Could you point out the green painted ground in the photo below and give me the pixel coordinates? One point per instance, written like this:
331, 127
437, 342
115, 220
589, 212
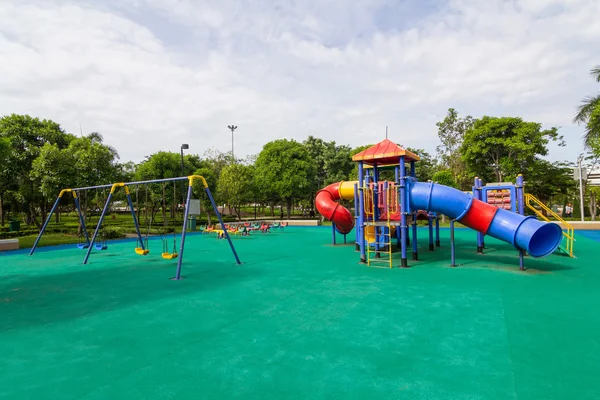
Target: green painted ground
299, 319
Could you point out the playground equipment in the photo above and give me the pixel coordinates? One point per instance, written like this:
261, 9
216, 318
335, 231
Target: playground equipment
142, 248
387, 209
568, 234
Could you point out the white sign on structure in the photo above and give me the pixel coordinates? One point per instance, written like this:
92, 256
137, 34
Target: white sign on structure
194, 207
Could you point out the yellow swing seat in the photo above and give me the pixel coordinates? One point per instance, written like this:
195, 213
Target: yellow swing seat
141, 252
169, 256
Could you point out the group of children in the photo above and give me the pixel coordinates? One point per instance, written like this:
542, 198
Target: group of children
242, 229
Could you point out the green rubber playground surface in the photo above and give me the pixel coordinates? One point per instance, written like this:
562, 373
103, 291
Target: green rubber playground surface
299, 319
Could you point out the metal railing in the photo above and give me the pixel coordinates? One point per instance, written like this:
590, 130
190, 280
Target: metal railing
531, 202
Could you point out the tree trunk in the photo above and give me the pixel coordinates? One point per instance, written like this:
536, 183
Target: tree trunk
272, 209
289, 207
593, 205
208, 222
174, 205
238, 211
164, 205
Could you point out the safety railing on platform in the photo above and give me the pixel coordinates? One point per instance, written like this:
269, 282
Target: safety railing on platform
531, 202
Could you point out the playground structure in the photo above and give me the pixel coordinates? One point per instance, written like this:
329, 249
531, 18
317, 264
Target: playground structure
141, 247
386, 209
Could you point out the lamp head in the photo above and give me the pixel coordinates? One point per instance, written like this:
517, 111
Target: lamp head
185, 146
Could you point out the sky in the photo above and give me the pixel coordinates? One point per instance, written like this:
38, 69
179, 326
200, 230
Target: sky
150, 75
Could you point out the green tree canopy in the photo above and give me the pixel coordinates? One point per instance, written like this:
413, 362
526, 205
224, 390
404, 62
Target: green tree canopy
499, 147
284, 167
236, 185
445, 177
451, 132
588, 112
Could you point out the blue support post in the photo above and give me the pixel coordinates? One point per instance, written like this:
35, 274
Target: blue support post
437, 230
135, 221
521, 207
361, 212
404, 209
89, 250
333, 232
431, 248
480, 185
520, 195
81, 219
521, 261
415, 251
183, 232
452, 255
212, 201
37, 240
477, 194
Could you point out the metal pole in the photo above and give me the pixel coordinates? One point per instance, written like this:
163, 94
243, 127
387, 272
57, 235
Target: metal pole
452, 255
431, 248
477, 195
521, 261
415, 252
212, 201
89, 250
81, 219
183, 232
437, 231
333, 232
135, 221
37, 240
361, 210
404, 209
581, 207
183, 146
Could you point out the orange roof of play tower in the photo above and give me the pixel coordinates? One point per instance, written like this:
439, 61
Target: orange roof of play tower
384, 153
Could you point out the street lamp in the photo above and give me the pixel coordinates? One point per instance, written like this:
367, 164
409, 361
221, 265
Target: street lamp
232, 128
581, 209
183, 147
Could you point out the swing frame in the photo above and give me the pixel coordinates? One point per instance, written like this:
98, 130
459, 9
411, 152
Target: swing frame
125, 185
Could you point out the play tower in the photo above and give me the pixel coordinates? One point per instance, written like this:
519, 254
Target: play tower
389, 199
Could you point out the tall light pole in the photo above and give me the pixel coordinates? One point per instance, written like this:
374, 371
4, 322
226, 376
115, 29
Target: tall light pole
232, 128
582, 211
183, 147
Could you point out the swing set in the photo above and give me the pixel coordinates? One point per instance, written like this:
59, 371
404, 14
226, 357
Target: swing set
142, 244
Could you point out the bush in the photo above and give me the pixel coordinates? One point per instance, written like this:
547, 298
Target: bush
110, 232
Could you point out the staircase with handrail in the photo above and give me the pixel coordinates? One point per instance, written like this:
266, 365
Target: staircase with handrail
569, 233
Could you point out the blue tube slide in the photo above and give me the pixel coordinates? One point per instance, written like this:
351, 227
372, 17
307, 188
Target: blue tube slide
537, 238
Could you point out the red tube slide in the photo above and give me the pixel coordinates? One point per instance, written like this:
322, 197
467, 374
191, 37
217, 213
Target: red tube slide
328, 207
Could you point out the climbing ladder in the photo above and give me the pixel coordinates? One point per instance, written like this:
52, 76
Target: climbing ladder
379, 251
531, 202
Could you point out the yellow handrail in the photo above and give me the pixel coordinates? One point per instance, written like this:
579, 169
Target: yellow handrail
569, 234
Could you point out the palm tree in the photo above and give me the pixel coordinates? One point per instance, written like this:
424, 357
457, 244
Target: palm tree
589, 112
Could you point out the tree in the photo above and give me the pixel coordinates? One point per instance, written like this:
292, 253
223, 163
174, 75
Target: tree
495, 148
589, 112
200, 193
161, 165
426, 166
451, 132
236, 185
4, 155
284, 168
546, 180
444, 177
26, 136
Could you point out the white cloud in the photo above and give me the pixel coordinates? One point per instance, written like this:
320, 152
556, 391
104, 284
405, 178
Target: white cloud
150, 74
